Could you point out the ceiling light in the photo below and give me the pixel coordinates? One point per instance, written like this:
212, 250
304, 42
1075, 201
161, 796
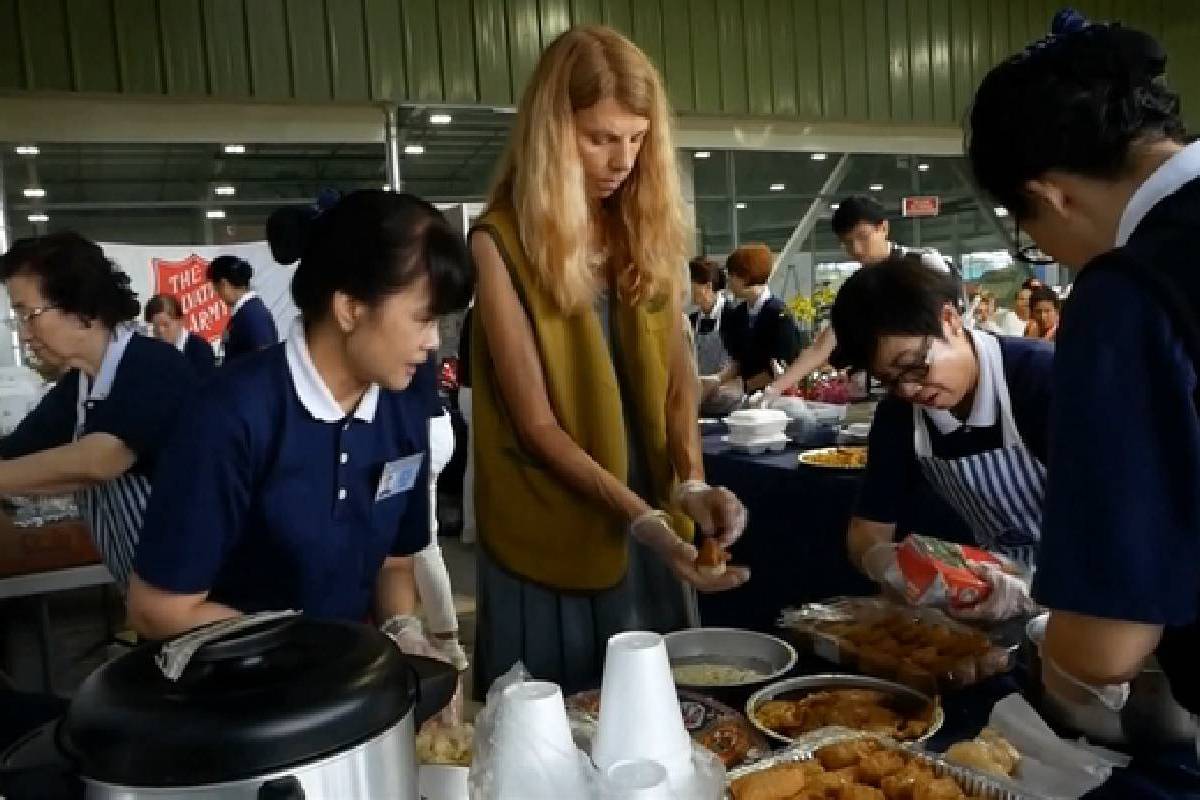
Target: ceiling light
235, 149
38, 218
440, 119
387, 187
504, 110
818, 156
702, 154
215, 213
923, 167
835, 206
777, 187
414, 149
876, 187
35, 193
224, 190
741, 206
1000, 211
27, 150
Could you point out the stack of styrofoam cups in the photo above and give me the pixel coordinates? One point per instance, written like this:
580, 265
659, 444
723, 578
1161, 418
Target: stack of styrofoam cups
637, 779
639, 710
535, 756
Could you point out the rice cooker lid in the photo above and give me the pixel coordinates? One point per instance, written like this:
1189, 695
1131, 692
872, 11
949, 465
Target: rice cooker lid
266, 699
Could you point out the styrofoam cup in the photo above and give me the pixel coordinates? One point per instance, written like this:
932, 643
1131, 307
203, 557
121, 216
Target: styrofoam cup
535, 755
638, 779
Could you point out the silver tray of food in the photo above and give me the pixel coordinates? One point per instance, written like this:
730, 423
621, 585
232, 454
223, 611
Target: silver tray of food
704, 658
856, 764
792, 708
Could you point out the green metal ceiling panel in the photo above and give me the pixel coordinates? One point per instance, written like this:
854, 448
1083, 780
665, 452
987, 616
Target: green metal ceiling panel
648, 30
920, 74
899, 59
941, 76
706, 56
854, 44
184, 62
93, 46
139, 54
961, 69
758, 57
270, 57
47, 58
586, 12
422, 49
524, 38
618, 15
308, 48
491, 53
998, 25
347, 51
385, 51
677, 41
732, 43
12, 72
877, 54
457, 30
808, 60
555, 19
981, 41
782, 43
833, 65
225, 47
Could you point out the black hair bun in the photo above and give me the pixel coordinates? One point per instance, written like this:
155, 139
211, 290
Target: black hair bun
289, 230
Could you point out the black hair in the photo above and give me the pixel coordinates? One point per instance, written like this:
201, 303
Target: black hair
705, 271
1077, 101
237, 271
854, 210
1043, 294
161, 303
76, 277
374, 243
1031, 283
897, 297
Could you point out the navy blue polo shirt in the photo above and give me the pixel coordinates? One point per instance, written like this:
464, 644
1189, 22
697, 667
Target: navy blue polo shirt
893, 469
199, 354
1121, 530
267, 498
151, 383
250, 329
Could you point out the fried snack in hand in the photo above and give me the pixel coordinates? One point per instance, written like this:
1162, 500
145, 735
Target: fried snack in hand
711, 557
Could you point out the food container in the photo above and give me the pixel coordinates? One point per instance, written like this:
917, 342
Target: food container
756, 447
756, 424
974, 784
902, 698
829, 413
770, 656
836, 631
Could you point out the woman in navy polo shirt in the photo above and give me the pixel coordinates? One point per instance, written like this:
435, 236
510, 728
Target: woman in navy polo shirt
99, 430
165, 317
967, 412
1105, 183
305, 466
251, 327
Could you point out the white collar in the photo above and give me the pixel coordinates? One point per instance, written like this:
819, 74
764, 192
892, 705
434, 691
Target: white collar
718, 306
113, 353
181, 339
760, 302
242, 301
985, 409
1165, 181
311, 389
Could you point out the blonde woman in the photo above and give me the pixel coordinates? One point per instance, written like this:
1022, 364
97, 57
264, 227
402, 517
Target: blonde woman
588, 471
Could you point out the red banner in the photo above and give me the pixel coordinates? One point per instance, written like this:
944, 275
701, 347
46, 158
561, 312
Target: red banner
203, 312
920, 206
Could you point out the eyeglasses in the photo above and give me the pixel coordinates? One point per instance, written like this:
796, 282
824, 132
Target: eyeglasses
914, 374
20, 319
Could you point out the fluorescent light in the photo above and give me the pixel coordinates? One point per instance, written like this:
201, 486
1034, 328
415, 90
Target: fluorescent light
504, 110
923, 167
387, 187
414, 149
834, 206
876, 187
225, 190
701, 154
440, 119
215, 213
777, 187
38, 218
235, 149
34, 193
818, 156
1001, 211
740, 206
27, 150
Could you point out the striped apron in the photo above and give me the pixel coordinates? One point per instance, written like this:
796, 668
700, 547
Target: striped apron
114, 509
999, 493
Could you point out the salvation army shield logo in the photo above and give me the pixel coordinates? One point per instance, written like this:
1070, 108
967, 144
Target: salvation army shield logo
203, 312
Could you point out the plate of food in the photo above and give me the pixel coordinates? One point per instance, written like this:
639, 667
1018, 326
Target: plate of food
835, 457
793, 708
709, 722
725, 658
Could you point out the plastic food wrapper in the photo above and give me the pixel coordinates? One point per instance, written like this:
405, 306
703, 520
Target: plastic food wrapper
918, 647
938, 573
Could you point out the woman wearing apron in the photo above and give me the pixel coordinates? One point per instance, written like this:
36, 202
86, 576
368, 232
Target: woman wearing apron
1119, 202
967, 413
100, 430
708, 295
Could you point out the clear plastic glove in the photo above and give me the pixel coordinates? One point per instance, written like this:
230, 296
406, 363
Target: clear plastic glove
717, 511
451, 650
765, 398
1009, 597
654, 530
409, 637
881, 566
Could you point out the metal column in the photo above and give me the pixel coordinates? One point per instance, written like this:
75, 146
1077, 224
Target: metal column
731, 179
391, 137
5, 231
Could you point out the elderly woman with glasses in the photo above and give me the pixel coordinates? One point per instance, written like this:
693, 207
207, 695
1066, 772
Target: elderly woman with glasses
968, 412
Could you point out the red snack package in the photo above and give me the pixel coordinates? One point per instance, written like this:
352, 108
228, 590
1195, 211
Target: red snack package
938, 573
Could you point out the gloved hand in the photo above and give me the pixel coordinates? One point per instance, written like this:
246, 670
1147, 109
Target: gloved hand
716, 511
654, 530
1009, 597
408, 635
451, 650
764, 398
879, 562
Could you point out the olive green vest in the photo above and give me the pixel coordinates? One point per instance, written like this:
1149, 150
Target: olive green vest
530, 521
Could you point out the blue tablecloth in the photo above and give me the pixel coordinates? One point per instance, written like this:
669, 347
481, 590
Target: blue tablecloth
795, 548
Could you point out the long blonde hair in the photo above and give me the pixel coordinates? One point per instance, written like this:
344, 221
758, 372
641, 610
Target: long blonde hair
541, 174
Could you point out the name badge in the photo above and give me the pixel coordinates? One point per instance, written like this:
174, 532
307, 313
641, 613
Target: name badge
398, 476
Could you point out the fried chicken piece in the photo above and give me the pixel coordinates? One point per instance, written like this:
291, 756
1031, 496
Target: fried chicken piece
938, 789
977, 756
780, 782
860, 792
845, 754
874, 767
901, 784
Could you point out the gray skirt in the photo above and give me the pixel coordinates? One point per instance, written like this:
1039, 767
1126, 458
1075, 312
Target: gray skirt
561, 637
